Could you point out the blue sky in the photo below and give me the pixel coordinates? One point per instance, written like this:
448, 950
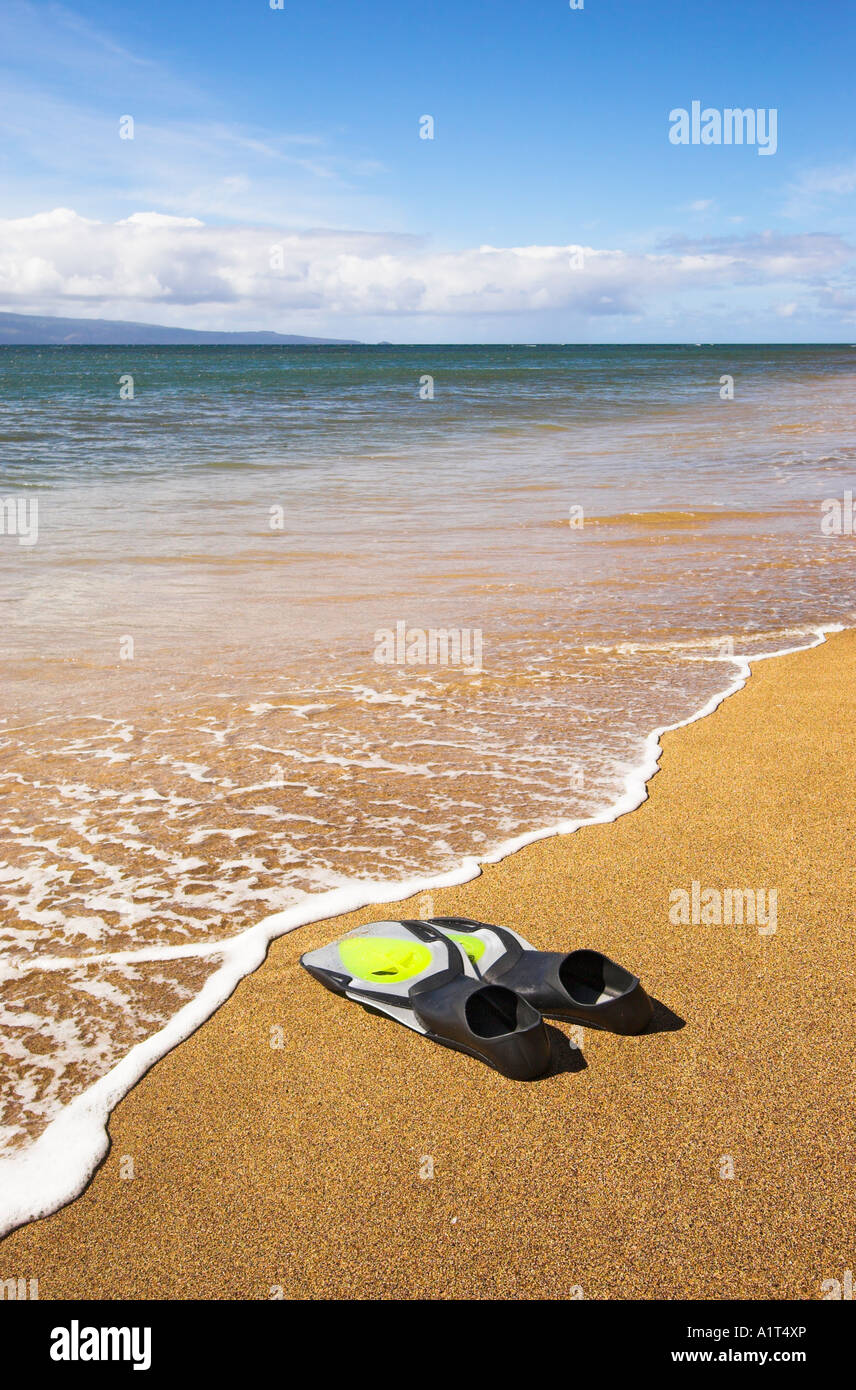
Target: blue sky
299, 129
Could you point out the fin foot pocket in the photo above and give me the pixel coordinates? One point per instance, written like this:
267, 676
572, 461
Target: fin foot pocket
582, 986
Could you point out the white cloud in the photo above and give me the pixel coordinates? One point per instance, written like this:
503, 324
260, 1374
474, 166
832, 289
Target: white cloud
178, 270
839, 301
837, 181
816, 187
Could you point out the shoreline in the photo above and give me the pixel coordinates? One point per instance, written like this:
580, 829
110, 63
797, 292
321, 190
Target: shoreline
710, 1157
300, 1169
63, 1160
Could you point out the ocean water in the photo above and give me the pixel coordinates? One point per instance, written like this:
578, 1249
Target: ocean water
195, 730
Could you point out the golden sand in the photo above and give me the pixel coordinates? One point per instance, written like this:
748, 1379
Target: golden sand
303, 1167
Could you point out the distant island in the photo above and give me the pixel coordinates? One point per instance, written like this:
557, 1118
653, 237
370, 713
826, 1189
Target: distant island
33, 330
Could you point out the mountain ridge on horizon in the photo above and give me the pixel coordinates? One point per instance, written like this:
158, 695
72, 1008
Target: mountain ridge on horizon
48, 330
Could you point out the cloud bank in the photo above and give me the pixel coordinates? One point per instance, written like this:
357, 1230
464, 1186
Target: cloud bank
179, 270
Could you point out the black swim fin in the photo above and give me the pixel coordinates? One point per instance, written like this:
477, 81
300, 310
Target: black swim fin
418, 975
578, 987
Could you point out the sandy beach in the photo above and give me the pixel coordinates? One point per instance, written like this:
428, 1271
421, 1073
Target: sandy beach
712, 1157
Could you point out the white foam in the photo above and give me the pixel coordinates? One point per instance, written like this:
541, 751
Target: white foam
263, 707
57, 1166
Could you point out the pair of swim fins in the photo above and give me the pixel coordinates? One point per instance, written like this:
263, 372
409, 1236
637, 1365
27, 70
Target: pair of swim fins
479, 988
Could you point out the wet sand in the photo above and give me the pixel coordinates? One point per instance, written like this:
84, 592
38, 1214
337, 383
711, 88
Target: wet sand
303, 1168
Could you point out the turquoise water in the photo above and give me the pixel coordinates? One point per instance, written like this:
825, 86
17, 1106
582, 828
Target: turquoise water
374, 481
268, 407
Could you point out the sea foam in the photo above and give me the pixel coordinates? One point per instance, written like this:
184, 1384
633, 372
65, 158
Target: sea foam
57, 1166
